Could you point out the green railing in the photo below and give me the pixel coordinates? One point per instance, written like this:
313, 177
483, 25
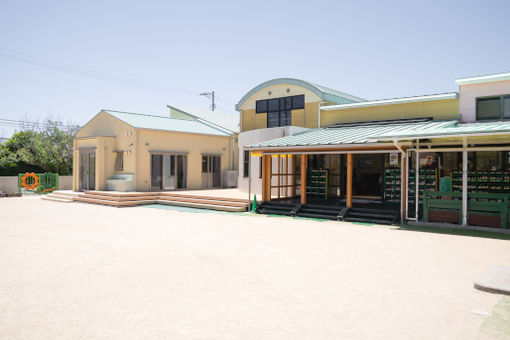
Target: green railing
48, 182
478, 203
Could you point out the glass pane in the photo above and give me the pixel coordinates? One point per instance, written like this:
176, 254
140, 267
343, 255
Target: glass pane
169, 180
92, 171
273, 119
181, 171
273, 105
204, 164
506, 107
298, 102
285, 118
488, 108
288, 103
156, 171
83, 170
261, 106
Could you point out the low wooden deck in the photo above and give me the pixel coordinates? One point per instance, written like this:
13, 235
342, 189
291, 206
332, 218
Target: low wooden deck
186, 199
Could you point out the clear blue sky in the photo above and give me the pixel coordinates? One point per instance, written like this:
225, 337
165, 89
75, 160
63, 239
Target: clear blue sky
371, 49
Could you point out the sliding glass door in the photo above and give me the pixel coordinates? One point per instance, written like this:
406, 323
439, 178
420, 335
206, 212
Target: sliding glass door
211, 171
168, 171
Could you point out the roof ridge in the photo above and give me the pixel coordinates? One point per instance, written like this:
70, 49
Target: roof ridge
149, 115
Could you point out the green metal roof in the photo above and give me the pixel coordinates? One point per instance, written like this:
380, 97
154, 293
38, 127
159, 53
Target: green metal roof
144, 121
447, 129
375, 132
325, 93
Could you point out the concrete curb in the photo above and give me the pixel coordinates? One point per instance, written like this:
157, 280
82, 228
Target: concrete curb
495, 280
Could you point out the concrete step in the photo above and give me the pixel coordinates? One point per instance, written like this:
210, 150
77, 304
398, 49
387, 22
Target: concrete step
118, 198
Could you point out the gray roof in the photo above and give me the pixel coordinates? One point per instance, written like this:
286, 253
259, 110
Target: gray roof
150, 122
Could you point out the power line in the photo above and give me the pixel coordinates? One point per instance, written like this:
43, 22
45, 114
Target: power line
68, 68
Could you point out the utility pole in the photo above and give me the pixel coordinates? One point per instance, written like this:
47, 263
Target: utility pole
211, 96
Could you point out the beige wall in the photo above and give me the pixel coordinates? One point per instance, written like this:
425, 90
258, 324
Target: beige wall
194, 145
108, 134
306, 117
438, 109
469, 93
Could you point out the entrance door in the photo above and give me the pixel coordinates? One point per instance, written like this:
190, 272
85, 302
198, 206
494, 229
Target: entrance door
156, 172
87, 170
174, 169
211, 171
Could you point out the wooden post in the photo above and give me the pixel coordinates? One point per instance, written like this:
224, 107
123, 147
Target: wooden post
349, 180
279, 176
293, 176
304, 167
286, 175
266, 177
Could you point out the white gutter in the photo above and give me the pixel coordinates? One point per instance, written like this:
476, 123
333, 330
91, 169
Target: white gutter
483, 79
328, 146
443, 96
503, 133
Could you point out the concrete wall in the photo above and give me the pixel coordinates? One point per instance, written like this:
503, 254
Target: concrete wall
9, 184
469, 93
257, 136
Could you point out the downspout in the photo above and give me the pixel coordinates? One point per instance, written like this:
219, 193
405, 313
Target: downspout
319, 113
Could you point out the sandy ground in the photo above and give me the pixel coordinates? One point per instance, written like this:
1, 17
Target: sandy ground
80, 271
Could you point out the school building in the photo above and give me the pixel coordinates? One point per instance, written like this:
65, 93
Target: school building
316, 152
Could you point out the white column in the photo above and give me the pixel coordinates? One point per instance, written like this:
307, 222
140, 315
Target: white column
417, 182
464, 183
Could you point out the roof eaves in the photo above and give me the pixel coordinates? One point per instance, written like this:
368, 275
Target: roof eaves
483, 78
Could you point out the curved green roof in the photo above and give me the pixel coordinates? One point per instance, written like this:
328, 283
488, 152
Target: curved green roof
325, 93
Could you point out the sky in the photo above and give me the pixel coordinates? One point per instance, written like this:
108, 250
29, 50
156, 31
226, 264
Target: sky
139, 56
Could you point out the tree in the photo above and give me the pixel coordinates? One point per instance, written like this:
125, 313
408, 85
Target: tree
50, 148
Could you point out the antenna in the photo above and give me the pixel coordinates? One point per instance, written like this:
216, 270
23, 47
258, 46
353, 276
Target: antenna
211, 96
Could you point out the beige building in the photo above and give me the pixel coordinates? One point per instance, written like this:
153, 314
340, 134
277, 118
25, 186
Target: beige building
129, 151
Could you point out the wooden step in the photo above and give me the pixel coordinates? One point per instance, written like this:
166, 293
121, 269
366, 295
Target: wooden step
120, 199
170, 194
120, 194
203, 201
114, 203
203, 205
56, 199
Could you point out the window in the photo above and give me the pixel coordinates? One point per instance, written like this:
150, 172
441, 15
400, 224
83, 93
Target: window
261, 106
246, 164
119, 161
298, 102
493, 108
279, 109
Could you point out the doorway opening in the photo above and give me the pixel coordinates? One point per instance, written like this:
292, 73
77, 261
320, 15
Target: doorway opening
87, 169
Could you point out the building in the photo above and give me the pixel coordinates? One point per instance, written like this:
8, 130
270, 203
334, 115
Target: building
317, 152
137, 152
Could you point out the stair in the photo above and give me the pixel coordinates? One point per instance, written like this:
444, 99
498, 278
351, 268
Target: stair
277, 208
125, 199
378, 216
63, 196
204, 202
319, 211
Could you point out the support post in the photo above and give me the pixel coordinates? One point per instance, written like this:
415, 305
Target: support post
464, 183
304, 168
403, 187
279, 176
349, 180
286, 175
293, 176
266, 178
417, 182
